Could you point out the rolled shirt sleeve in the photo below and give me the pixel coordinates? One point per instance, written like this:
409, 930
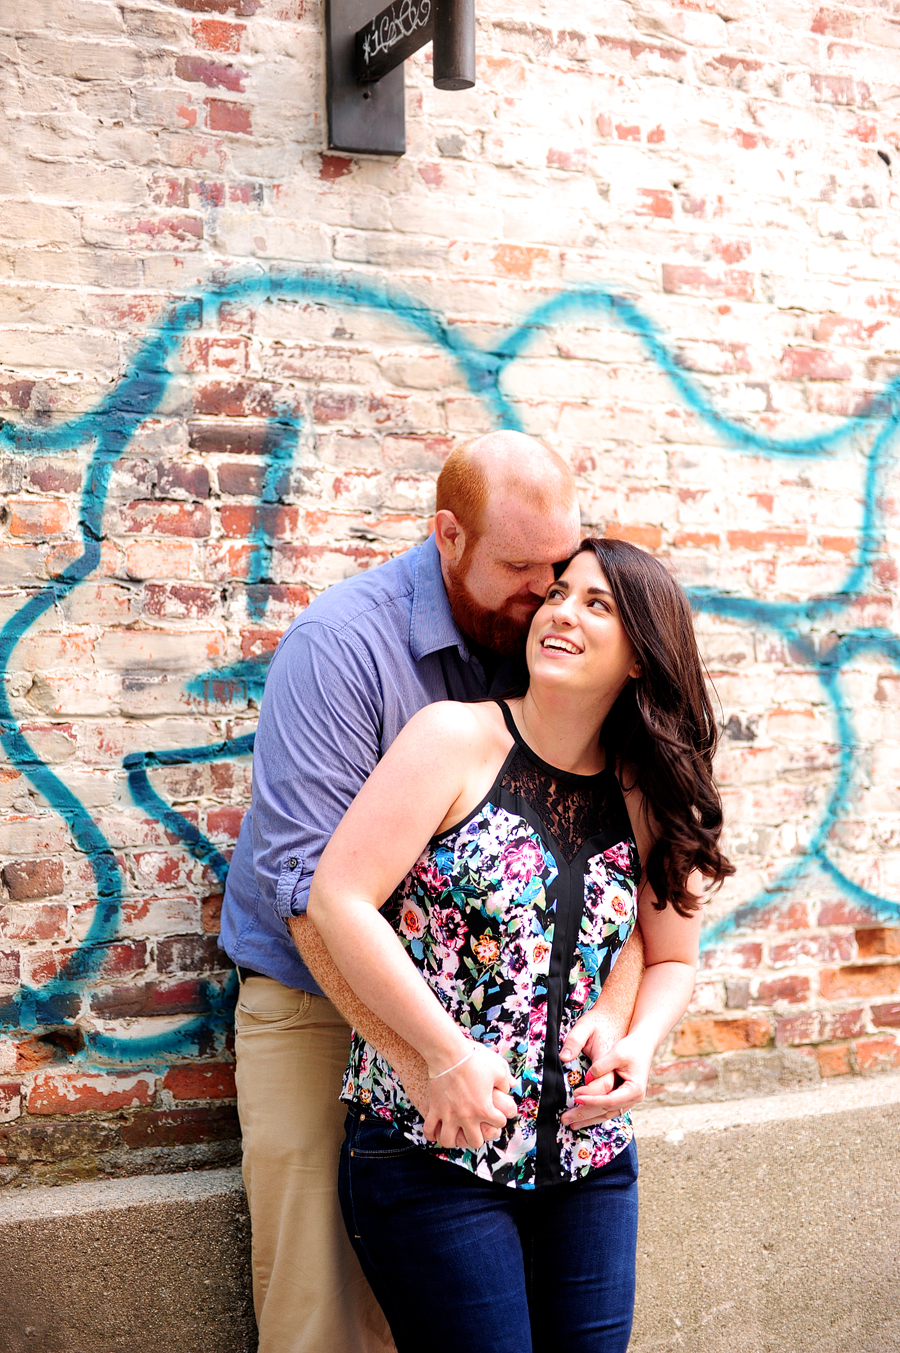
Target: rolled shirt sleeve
320, 734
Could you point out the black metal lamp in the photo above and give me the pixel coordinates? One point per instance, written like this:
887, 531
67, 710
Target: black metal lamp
365, 65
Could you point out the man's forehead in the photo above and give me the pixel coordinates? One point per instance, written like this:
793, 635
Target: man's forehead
522, 532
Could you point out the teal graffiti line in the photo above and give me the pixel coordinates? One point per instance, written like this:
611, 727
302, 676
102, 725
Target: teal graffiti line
111, 426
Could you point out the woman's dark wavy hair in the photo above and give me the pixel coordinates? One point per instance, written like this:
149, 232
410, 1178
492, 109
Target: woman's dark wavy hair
661, 729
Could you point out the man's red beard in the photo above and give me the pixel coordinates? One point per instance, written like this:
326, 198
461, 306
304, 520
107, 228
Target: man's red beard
500, 631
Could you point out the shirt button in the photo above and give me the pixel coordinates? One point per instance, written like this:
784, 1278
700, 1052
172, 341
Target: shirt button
292, 862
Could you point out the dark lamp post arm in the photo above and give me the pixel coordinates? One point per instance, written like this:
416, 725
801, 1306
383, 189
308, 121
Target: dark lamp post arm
405, 26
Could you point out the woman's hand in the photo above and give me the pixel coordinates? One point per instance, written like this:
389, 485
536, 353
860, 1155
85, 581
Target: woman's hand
625, 1066
469, 1104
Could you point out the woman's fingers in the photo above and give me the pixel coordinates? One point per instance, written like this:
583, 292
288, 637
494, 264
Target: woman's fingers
470, 1103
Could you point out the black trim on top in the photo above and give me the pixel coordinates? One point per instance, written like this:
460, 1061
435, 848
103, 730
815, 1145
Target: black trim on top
569, 910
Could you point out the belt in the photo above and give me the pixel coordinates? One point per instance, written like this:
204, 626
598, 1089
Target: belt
244, 973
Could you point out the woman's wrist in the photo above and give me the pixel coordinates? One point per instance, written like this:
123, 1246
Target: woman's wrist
445, 1051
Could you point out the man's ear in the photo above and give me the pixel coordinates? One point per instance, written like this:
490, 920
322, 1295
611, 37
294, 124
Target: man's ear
449, 536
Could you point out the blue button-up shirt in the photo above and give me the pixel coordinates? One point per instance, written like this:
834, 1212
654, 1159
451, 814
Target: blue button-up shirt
350, 671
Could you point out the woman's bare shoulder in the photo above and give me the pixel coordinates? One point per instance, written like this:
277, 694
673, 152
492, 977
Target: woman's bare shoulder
454, 723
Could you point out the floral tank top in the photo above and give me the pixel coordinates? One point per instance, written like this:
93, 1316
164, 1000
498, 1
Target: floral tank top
515, 917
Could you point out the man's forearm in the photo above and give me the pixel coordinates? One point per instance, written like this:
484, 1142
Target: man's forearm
617, 999
407, 1063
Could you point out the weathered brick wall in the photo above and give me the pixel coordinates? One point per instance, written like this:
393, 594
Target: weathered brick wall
662, 236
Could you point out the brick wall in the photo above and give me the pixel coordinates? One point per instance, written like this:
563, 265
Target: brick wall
663, 237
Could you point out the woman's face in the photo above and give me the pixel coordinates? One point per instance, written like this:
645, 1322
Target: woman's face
577, 638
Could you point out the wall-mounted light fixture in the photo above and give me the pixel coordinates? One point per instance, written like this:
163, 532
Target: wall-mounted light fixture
365, 65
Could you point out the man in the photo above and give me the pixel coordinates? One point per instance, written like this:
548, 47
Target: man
444, 621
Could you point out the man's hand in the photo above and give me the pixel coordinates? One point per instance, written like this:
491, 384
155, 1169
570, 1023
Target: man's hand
471, 1103
627, 1065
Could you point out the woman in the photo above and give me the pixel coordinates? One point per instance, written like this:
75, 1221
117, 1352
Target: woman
475, 896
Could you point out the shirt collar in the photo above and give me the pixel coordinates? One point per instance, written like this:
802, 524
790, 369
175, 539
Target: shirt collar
431, 625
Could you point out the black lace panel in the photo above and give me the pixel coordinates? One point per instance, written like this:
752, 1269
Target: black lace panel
570, 811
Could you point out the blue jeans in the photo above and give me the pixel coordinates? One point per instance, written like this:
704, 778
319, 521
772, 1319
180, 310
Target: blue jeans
462, 1265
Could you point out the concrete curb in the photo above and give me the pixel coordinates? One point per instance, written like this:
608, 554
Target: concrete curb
772, 1225
768, 1225
148, 1265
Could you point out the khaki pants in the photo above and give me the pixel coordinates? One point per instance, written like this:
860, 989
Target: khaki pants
308, 1291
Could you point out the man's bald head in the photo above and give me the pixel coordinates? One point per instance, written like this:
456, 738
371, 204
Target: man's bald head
507, 511
502, 465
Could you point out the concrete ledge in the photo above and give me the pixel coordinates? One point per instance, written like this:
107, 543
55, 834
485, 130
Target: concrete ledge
772, 1225
158, 1264
768, 1225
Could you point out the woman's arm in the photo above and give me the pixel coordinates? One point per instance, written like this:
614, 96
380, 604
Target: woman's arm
405, 801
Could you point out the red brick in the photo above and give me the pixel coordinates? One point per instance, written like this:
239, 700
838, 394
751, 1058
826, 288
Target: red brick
885, 940
9, 967
181, 1127
35, 921
242, 520
744, 956
656, 202
180, 601
238, 399
812, 364
198, 70
648, 537
225, 822
69, 1092
166, 519
256, 642
33, 878
679, 278
834, 23
151, 998
174, 478
876, 979
159, 559
245, 438
517, 260
624, 132
36, 518
839, 89
112, 960
240, 477
701, 1037
872, 1054
334, 166
191, 954
215, 35
766, 540
834, 1061
573, 161
887, 1016
211, 913
201, 1081
16, 395
656, 136
810, 1027
842, 912
54, 477
223, 116
847, 1023
166, 869
10, 1101
790, 989
811, 949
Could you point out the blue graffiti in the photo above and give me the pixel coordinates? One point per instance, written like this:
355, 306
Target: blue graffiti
109, 429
